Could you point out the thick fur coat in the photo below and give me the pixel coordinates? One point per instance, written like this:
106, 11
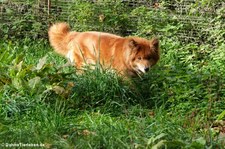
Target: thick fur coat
127, 55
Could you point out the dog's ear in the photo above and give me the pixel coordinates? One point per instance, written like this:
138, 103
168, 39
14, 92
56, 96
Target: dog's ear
155, 44
132, 43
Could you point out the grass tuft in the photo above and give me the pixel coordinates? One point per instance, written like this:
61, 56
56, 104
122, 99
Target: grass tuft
176, 105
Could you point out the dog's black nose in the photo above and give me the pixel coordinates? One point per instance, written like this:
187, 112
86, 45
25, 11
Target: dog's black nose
146, 69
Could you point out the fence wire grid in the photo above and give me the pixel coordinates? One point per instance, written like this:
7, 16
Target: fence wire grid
199, 16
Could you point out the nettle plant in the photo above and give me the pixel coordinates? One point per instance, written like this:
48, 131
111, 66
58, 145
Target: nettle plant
152, 22
100, 15
24, 20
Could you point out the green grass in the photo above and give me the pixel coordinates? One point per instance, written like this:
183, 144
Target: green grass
177, 105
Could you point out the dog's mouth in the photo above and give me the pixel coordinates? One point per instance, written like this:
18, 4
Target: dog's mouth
141, 71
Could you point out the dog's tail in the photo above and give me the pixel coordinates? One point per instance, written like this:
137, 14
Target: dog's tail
58, 37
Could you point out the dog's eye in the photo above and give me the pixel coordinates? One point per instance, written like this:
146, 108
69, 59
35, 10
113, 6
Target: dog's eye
139, 58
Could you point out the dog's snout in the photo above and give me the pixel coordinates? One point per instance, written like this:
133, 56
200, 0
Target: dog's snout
146, 69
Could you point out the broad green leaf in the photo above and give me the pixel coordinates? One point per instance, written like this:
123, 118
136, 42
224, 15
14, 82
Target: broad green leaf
17, 83
159, 144
34, 82
41, 63
221, 115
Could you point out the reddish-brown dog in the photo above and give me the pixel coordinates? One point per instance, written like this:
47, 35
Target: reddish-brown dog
128, 56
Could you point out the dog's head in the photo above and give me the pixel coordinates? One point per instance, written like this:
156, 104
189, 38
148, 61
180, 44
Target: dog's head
142, 54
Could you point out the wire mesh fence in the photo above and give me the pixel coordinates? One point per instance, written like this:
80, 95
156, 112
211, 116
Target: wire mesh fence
190, 20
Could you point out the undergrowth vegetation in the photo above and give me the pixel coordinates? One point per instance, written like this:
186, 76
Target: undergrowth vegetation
180, 103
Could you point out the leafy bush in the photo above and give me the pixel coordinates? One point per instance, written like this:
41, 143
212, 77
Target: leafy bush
24, 20
154, 22
104, 16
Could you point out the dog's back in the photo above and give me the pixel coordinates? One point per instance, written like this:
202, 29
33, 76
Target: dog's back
130, 55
